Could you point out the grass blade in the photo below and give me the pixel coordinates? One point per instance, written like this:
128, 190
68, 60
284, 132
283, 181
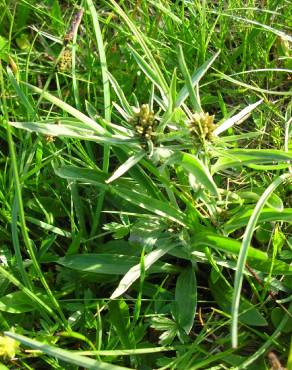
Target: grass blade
134, 273
131, 162
194, 98
243, 254
196, 77
64, 355
69, 109
238, 118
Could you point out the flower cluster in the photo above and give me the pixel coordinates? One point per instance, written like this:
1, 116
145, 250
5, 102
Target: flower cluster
65, 62
202, 126
144, 122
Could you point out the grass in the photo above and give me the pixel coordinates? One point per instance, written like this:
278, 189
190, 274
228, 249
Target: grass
145, 185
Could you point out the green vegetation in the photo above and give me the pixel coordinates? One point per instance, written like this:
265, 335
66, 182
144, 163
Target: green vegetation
145, 184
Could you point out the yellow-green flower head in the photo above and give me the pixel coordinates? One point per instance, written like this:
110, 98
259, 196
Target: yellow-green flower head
8, 347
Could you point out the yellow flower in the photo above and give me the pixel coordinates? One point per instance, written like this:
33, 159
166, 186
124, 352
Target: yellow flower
8, 347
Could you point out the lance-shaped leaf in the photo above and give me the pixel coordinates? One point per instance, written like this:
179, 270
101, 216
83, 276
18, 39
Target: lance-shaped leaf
68, 356
266, 215
109, 264
244, 253
196, 168
134, 159
195, 79
69, 109
244, 157
186, 298
194, 97
238, 118
134, 273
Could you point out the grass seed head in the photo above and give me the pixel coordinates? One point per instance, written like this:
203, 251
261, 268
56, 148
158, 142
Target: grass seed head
202, 126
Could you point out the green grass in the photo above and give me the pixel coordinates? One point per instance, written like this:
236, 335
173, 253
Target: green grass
145, 184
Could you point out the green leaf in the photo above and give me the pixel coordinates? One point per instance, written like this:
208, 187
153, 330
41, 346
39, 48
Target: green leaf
120, 318
68, 356
195, 167
186, 298
134, 272
238, 118
274, 201
196, 77
16, 302
239, 273
277, 316
109, 264
90, 123
267, 215
158, 207
70, 130
125, 167
257, 259
4, 47
248, 314
122, 98
244, 157
194, 98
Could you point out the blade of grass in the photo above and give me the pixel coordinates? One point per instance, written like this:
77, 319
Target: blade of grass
238, 118
69, 109
107, 108
21, 213
64, 355
130, 162
194, 98
244, 251
134, 273
196, 77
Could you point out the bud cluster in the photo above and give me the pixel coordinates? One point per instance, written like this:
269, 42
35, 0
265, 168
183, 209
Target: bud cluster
144, 122
202, 125
65, 62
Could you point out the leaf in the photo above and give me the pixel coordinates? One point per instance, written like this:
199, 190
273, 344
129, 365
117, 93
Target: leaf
134, 272
248, 314
22, 97
148, 71
244, 157
238, 280
195, 167
196, 77
267, 215
238, 118
277, 316
109, 264
70, 130
68, 356
194, 98
274, 201
123, 100
257, 259
156, 206
90, 123
186, 298
139, 36
16, 302
120, 318
4, 48
130, 162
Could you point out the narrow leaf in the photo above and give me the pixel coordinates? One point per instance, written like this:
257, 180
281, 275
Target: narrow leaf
196, 77
189, 85
126, 166
244, 252
134, 273
64, 355
238, 118
186, 298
